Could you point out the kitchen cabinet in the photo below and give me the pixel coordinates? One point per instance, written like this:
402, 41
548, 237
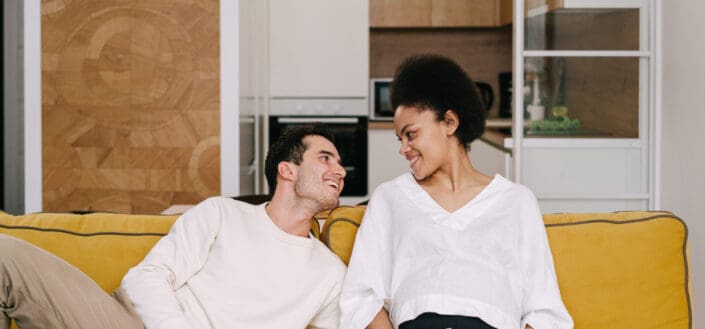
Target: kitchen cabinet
587, 67
385, 162
490, 159
439, 13
318, 48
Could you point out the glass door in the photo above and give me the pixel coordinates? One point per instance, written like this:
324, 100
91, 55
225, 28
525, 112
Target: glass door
581, 119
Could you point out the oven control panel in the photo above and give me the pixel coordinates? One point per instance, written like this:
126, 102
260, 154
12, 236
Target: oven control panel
318, 106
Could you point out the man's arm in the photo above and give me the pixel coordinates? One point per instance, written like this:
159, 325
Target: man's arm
381, 321
151, 286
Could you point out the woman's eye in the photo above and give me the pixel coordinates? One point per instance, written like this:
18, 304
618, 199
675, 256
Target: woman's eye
410, 135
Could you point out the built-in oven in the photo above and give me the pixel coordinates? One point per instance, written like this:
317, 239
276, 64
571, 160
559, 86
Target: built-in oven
347, 121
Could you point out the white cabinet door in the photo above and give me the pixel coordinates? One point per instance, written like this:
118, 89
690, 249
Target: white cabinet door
609, 176
385, 162
318, 48
490, 160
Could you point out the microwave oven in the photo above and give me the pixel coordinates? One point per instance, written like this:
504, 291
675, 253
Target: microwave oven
380, 99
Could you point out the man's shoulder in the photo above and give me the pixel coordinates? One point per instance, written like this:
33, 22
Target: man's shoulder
226, 203
330, 260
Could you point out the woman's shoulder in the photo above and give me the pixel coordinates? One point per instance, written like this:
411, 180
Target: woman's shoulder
389, 191
512, 189
394, 184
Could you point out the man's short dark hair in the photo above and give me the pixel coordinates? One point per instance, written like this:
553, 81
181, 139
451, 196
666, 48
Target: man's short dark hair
436, 83
290, 146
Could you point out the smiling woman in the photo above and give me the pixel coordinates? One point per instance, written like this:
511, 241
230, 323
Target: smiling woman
445, 245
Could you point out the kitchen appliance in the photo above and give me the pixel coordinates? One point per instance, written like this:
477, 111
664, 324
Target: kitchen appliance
381, 105
486, 94
380, 99
505, 94
346, 120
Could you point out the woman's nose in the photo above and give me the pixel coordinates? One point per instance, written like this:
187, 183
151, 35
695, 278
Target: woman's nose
403, 148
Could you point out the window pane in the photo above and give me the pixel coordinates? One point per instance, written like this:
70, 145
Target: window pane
582, 96
582, 29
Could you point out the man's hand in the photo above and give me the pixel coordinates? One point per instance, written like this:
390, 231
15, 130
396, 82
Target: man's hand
381, 321
529, 327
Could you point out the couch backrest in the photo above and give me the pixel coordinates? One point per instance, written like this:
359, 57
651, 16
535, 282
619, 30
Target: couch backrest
615, 270
102, 245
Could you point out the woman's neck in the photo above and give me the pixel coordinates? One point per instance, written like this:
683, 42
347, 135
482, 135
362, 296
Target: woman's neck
455, 183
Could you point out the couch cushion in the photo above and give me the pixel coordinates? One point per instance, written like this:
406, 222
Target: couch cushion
340, 228
615, 270
622, 270
102, 245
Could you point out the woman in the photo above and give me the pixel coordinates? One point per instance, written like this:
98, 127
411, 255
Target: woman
446, 246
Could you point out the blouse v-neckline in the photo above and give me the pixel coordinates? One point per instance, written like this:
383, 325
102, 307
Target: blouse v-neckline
468, 211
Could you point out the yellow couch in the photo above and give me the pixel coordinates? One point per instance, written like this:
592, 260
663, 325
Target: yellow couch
615, 270
619, 270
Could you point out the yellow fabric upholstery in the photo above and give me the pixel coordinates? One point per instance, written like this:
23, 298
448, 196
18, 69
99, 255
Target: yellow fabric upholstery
615, 270
622, 270
102, 245
340, 228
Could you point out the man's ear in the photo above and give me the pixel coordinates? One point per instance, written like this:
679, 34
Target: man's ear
451, 122
286, 170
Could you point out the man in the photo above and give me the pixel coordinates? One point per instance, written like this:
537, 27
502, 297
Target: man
224, 264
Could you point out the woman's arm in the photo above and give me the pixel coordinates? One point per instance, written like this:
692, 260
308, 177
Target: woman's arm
381, 321
542, 304
367, 281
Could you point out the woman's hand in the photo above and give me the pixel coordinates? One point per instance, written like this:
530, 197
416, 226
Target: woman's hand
381, 321
529, 327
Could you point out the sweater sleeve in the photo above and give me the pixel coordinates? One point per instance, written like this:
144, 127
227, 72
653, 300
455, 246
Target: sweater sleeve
329, 315
542, 304
367, 282
152, 284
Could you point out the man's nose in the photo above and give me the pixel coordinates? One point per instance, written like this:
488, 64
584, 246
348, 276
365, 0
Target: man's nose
340, 170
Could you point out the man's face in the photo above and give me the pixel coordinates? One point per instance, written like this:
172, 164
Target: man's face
320, 174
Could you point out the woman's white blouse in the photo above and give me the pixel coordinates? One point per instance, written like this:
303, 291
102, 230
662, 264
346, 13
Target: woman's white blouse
489, 259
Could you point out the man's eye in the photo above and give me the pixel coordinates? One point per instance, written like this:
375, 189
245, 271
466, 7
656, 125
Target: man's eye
410, 135
325, 158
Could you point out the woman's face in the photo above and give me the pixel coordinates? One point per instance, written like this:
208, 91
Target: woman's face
425, 141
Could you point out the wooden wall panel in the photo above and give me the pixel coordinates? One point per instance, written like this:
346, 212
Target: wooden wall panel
130, 104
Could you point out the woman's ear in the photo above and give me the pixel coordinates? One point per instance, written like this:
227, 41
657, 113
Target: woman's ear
286, 170
451, 122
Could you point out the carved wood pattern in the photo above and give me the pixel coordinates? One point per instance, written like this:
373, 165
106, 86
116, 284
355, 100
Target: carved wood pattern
130, 104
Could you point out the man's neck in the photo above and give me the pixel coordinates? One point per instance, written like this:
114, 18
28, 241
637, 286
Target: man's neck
290, 215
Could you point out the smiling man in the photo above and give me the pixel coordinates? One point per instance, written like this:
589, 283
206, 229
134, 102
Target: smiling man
224, 263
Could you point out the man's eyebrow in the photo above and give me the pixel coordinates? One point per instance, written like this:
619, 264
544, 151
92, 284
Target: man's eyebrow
340, 162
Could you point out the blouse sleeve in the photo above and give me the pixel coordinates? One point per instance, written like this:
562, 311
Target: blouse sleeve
542, 304
367, 281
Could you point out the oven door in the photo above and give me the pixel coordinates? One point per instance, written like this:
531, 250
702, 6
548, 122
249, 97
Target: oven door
350, 140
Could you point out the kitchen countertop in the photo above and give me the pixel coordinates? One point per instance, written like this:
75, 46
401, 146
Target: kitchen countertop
490, 123
492, 134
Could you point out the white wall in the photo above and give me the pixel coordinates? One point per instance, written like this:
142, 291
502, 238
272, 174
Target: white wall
683, 131
13, 108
